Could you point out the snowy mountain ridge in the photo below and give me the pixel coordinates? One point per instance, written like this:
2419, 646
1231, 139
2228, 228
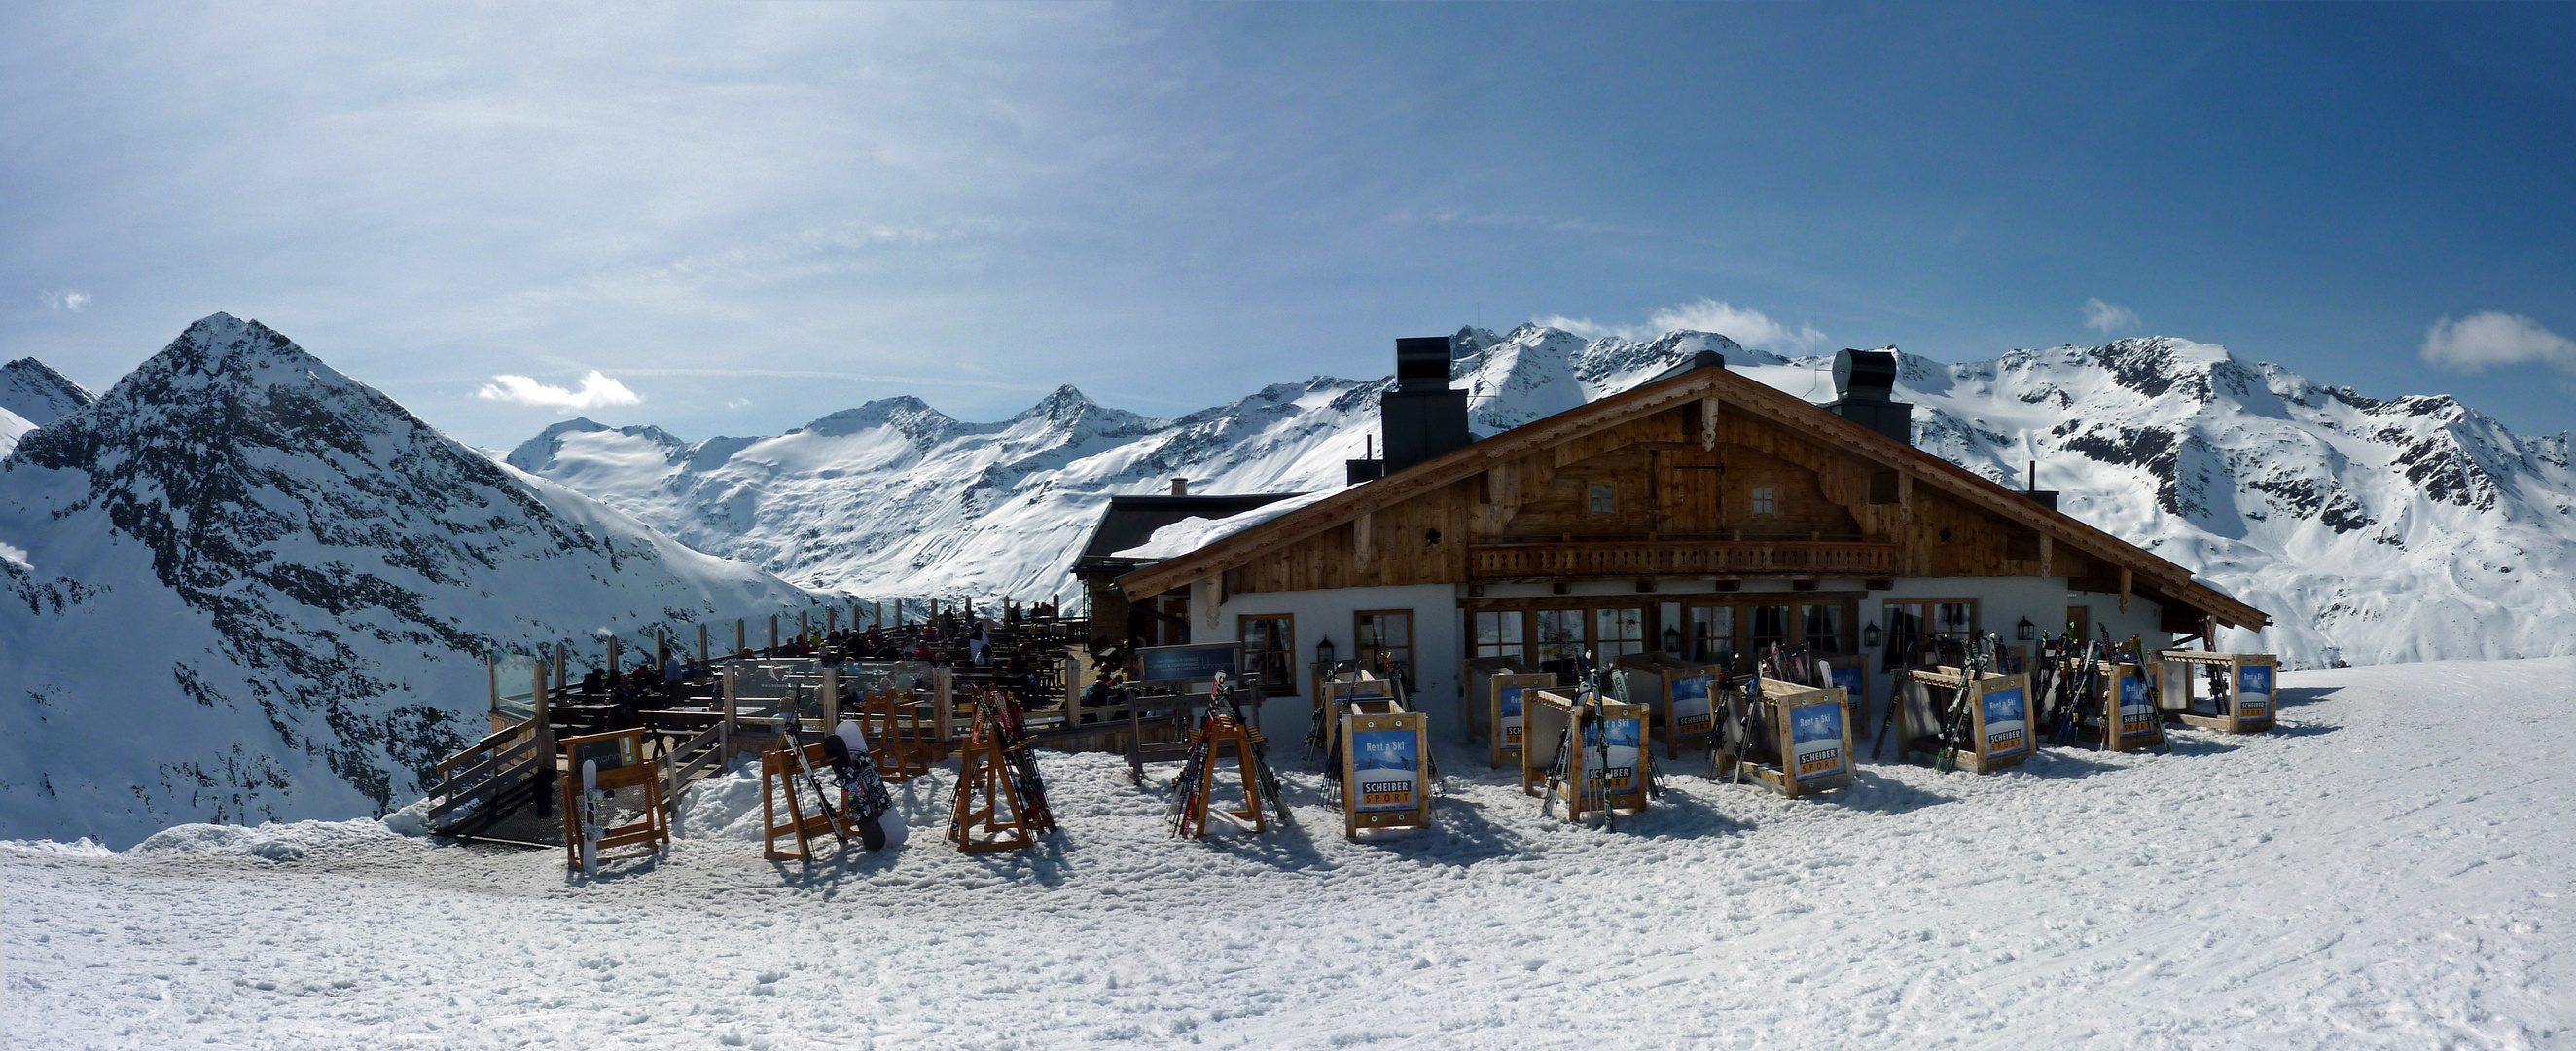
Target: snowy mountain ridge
242, 585
2371, 530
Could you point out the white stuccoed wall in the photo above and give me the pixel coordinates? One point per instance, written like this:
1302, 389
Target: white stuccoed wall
1322, 614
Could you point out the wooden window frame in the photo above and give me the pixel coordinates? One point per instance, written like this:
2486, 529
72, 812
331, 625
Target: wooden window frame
1596, 494
1412, 636
1476, 646
1289, 651
1763, 500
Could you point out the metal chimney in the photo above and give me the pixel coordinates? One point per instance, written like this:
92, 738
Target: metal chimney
1423, 419
1866, 379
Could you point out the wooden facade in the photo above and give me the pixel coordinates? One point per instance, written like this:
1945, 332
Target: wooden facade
1707, 475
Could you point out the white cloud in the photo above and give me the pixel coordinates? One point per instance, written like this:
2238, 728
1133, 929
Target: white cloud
1751, 328
2108, 318
596, 390
71, 299
2496, 338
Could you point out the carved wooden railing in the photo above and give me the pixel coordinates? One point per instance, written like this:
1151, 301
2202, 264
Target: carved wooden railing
1629, 558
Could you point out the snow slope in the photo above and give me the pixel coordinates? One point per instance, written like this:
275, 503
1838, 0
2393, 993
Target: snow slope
2371, 531
241, 585
2347, 881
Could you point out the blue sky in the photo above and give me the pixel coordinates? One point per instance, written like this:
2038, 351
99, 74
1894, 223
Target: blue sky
749, 216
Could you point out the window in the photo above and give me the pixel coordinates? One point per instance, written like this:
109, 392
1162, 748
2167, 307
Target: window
1617, 633
1712, 635
1909, 624
1498, 634
1764, 500
1823, 628
1603, 501
1269, 652
1560, 634
1385, 634
1770, 626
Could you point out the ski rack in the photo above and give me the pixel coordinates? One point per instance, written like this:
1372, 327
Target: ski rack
780, 770
988, 790
632, 771
1660, 676
2246, 706
1223, 729
902, 735
2000, 730
1558, 724
2129, 690
1390, 807
1817, 760
1508, 739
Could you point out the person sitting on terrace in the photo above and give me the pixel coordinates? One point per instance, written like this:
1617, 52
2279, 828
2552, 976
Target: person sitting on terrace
921, 651
673, 670
594, 684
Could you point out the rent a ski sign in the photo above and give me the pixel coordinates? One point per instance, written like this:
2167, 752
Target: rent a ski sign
1816, 740
1614, 744
2007, 725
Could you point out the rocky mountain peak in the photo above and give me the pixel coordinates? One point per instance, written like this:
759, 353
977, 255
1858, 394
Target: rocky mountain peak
37, 394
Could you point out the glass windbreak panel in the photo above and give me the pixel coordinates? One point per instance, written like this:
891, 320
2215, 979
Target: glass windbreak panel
1770, 625
1618, 632
1386, 639
1824, 628
1560, 634
1498, 634
1712, 635
1268, 645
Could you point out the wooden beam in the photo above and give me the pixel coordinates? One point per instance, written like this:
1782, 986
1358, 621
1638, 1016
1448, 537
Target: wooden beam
2125, 582
2047, 555
1708, 422
1362, 530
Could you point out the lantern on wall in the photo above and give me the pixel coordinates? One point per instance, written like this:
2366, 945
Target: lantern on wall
1324, 653
1672, 639
2025, 631
1870, 636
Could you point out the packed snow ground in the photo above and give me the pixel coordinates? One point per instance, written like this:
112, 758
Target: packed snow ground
2383, 870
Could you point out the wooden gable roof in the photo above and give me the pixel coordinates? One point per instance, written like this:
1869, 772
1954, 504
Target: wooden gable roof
1718, 390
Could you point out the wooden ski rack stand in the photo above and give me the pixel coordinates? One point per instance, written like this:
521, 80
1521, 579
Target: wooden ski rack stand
1219, 732
1809, 731
1384, 784
621, 767
779, 775
1549, 716
1851, 675
1681, 696
901, 736
2000, 734
989, 814
1506, 697
2130, 691
2247, 705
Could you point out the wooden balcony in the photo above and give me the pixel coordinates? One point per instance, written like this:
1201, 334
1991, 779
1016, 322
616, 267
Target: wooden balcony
1682, 558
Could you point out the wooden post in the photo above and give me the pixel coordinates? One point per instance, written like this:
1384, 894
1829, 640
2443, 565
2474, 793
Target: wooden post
802, 629
741, 646
2124, 588
831, 620
831, 697
2047, 555
492, 675
724, 726
773, 632
537, 699
612, 656
702, 644
560, 660
661, 644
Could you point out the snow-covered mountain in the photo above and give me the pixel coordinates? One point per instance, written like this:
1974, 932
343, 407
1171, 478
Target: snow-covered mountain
2371, 530
32, 395
241, 585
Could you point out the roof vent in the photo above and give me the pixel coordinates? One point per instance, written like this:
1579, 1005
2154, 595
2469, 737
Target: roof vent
1422, 418
1866, 379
